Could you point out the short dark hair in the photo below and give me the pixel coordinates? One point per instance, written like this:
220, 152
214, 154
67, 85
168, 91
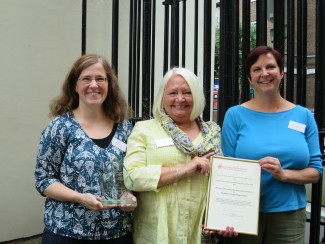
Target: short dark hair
253, 56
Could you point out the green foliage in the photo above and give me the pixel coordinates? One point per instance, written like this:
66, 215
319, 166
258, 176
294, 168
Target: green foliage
217, 48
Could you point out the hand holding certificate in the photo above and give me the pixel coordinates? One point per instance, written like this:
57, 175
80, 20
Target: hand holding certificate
233, 195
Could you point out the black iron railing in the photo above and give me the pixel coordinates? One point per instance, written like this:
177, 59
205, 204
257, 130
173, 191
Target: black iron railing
290, 26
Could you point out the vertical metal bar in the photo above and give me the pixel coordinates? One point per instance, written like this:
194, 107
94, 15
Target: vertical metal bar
130, 74
228, 89
315, 213
138, 49
146, 66
184, 33
196, 31
278, 13
224, 86
153, 45
174, 46
320, 62
261, 23
133, 93
207, 58
83, 26
246, 34
235, 51
290, 78
301, 51
115, 24
166, 38
278, 38
316, 196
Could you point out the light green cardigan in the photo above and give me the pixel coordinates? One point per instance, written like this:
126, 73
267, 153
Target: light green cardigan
171, 214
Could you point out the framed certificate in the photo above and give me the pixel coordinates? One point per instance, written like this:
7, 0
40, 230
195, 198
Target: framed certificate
233, 195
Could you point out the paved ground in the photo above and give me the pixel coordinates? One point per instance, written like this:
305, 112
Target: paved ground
30, 240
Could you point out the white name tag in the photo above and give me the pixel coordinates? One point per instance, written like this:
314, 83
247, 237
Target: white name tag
119, 144
164, 142
297, 126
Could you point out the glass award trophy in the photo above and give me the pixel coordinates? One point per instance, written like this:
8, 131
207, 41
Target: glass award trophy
112, 185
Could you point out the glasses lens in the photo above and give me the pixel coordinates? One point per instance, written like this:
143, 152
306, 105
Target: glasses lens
88, 80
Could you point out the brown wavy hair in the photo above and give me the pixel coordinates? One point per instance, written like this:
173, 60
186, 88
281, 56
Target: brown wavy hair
114, 105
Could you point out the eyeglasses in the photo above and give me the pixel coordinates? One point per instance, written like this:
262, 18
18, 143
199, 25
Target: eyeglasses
88, 80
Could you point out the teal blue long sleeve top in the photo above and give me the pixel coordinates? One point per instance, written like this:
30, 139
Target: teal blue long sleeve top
291, 136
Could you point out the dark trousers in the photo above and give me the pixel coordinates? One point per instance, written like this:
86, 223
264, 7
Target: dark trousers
49, 237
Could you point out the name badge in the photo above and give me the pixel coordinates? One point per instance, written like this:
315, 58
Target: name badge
164, 142
297, 126
119, 144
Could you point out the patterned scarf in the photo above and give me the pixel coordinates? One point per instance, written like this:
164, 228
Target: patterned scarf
210, 131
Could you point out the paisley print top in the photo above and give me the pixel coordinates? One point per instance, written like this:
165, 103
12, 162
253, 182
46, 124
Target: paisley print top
67, 155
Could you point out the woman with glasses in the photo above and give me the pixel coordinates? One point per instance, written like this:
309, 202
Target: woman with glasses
80, 159
167, 163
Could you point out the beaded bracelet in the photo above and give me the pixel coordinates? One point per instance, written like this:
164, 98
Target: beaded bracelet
177, 172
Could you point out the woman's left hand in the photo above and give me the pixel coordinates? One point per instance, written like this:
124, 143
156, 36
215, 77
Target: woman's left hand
273, 166
129, 207
302, 176
199, 165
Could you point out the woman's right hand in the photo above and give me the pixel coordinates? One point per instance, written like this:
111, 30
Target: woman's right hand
228, 232
200, 165
60, 192
91, 202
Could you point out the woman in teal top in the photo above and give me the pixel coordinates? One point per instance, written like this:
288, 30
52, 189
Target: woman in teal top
283, 137
167, 163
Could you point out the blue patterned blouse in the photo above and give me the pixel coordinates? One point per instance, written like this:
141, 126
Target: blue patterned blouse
67, 155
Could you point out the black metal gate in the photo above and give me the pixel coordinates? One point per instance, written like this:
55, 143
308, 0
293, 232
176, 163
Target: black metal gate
291, 21
293, 47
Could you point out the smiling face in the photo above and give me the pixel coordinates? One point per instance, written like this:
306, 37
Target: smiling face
90, 86
265, 75
178, 100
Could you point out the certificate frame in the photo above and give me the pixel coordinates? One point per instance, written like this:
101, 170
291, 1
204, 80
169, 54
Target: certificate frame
233, 195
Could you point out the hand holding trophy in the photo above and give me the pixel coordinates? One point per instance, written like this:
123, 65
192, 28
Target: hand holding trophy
112, 186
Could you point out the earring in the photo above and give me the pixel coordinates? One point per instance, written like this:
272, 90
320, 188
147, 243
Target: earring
251, 91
